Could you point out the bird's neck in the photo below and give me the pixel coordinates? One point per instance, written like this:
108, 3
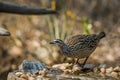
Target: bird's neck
64, 48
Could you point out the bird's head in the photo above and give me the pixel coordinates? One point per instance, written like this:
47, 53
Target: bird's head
58, 42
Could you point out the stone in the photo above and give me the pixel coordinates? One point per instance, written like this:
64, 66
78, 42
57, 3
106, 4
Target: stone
24, 76
32, 67
114, 74
102, 70
116, 69
109, 70
18, 74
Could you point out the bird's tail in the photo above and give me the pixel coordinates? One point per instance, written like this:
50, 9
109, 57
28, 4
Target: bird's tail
101, 35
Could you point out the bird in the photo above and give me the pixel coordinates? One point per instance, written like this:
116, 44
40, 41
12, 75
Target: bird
79, 46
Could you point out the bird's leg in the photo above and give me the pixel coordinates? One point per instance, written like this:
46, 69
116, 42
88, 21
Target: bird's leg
85, 61
76, 61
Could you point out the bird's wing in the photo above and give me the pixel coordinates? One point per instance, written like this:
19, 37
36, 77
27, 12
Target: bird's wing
75, 39
79, 41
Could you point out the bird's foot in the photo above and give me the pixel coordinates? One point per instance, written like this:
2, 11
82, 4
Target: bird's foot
82, 65
78, 64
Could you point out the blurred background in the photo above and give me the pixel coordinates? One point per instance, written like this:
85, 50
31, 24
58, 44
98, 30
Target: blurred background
31, 34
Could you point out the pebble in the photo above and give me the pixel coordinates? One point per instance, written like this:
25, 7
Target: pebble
95, 70
109, 70
67, 71
114, 74
43, 72
119, 73
102, 70
34, 76
18, 74
31, 78
102, 66
62, 66
76, 69
55, 71
89, 66
24, 76
116, 69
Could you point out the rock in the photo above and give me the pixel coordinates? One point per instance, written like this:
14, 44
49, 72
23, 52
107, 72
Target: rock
116, 69
18, 74
67, 71
32, 67
31, 78
102, 70
89, 66
43, 72
114, 74
76, 69
63, 66
95, 70
119, 73
24, 76
55, 71
102, 66
109, 70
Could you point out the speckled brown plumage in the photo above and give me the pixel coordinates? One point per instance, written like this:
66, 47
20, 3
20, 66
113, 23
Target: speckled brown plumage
79, 46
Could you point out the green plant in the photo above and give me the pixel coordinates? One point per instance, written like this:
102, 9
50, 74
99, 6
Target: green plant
63, 26
86, 24
59, 28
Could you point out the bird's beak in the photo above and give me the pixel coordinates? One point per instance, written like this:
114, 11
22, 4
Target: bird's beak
52, 42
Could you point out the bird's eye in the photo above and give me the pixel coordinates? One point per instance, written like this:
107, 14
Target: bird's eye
57, 41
